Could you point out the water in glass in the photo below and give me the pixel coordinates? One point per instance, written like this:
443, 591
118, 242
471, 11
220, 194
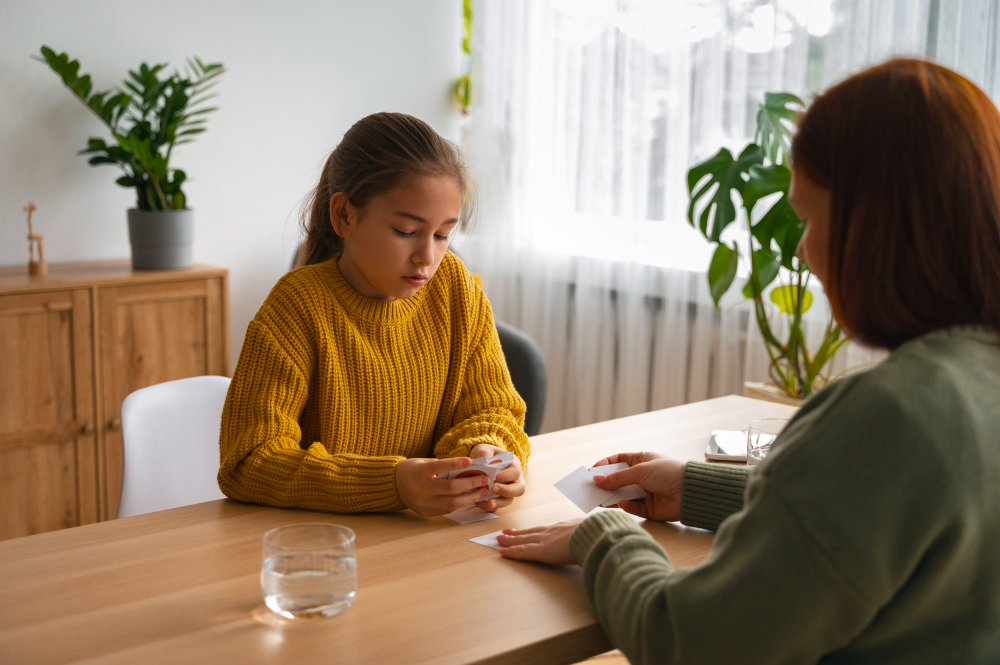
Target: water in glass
309, 570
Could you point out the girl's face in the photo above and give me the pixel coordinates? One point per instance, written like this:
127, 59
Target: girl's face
812, 203
395, 245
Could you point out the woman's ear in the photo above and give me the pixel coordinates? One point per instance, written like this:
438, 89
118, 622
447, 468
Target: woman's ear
340, 215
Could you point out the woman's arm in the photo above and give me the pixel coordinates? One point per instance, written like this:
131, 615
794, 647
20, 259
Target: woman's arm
261, 457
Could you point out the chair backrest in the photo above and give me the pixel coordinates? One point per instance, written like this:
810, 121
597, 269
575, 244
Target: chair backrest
170, 435
527, 372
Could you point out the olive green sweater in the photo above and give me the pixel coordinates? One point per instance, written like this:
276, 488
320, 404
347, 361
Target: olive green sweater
870, 534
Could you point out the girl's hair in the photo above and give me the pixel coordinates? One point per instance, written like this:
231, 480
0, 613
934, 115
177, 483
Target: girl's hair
910, 152
377, 153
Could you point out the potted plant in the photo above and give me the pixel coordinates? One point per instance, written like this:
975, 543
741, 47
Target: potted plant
772, 237
148, 117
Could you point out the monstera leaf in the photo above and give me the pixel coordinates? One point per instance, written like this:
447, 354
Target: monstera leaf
727, 175
775, 122
779, 223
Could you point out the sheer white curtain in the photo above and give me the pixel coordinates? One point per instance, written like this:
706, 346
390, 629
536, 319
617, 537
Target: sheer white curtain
587, 115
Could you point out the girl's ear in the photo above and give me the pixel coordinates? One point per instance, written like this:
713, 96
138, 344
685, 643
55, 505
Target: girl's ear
340, 215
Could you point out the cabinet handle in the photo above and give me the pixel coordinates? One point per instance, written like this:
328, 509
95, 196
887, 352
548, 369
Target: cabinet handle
114, 424
87, 429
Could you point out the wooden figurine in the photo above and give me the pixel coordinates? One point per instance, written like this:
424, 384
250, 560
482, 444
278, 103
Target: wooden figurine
36, 268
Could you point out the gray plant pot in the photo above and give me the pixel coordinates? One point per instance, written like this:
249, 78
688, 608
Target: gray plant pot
161, 239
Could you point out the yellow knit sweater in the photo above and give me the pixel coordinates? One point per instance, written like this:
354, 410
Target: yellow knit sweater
332, 389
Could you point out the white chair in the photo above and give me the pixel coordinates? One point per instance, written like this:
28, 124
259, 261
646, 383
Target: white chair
170, 435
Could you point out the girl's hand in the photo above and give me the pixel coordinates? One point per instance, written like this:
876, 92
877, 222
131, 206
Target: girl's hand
662, 477
546, 544
509, 482
424, 494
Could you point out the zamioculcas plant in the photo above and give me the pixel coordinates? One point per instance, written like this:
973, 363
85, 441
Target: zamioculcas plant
152, 113
772, 237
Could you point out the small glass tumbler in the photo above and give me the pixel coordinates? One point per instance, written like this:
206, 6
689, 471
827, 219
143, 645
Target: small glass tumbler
309, 571
760, 435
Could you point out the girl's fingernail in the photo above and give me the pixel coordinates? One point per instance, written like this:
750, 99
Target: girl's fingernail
600, 478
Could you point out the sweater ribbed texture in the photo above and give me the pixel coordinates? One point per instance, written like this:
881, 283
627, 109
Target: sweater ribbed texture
711, 493
333, 389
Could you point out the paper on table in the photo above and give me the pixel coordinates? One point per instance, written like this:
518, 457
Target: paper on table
470, 515
490, 540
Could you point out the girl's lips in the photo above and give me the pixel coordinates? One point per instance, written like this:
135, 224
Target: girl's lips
416, 281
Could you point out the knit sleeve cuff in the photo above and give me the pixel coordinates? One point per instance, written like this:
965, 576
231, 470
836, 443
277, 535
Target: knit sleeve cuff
711, 493
595, 527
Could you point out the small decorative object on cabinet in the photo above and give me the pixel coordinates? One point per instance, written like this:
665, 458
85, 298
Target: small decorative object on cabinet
36, 267
73, 344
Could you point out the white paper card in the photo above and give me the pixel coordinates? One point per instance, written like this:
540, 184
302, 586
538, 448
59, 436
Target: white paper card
490, 540
470, 515
579, 487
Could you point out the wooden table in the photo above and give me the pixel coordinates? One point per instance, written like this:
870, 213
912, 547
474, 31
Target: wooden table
183, 585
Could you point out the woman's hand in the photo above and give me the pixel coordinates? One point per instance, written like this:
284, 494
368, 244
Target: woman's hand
662, 477
509, 482
424, 494
545, 544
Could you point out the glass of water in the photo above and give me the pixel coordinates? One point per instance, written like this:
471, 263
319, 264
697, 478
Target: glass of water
309, 571
760, 435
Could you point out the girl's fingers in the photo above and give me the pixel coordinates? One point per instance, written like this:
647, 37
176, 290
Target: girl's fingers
459, 485
493, 504
508, 490
452, 503
439, 466
509, 475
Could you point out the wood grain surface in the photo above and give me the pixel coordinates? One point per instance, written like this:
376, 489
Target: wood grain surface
183, 585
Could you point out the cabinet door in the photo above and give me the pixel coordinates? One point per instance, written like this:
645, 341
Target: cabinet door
48, 457
152, 333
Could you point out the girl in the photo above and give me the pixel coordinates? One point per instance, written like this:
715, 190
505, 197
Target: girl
376, 366
870, 532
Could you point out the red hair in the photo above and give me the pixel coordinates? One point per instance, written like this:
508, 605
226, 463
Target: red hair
910, 152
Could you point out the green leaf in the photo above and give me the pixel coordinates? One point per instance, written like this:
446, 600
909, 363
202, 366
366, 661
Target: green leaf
722, 271
179, 201
775, 123
728, 175
786, 298
765, 265
101, 159
126, 181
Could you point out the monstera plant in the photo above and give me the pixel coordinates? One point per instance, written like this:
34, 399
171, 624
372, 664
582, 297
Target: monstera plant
777, 280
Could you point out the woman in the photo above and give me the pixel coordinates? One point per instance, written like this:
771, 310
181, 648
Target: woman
871, 533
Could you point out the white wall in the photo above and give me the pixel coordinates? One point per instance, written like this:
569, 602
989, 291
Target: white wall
300, 73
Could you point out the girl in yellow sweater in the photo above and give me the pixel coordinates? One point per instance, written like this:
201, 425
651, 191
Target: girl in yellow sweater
376, 366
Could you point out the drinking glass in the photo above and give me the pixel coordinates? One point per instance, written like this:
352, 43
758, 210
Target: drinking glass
760, 435
309, 571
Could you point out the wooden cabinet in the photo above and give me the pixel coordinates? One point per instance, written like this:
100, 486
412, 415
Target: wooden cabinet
73, 345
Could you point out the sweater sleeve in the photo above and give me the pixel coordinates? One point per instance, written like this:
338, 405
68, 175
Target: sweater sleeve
262, 460
489, 410
710, 493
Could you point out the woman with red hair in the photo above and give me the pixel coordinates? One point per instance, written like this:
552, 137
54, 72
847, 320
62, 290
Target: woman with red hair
871, 533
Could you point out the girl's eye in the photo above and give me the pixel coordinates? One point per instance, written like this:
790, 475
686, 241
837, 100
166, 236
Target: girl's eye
401, 234
444, 238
